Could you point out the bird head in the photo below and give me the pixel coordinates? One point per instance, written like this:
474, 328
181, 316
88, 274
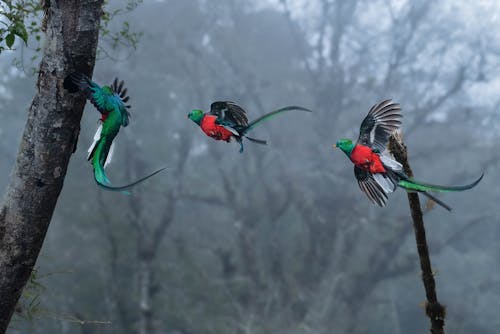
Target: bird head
196, 115
345, 145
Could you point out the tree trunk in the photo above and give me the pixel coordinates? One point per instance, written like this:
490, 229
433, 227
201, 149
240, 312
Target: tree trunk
49, 138
146, 294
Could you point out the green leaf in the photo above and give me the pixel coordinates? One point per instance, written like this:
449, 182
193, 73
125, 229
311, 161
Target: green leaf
20, 30
9, 40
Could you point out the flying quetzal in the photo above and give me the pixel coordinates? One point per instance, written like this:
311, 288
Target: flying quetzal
227, 120
377, 172
110, 101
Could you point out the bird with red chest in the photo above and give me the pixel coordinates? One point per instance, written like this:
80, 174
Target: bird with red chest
377, 172
364, 158
213, 130
228, 120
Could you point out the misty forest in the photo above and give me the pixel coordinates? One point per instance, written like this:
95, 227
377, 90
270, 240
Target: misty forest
279, 238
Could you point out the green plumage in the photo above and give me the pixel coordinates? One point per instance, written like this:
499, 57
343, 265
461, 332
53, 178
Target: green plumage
110, 101
233, 117
379, 174
270, 115
410, 184
99, 154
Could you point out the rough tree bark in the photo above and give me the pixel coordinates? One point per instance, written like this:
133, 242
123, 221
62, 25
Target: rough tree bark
49, 138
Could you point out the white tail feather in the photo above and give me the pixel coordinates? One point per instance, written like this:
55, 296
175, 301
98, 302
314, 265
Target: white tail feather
384, 182
110, 154
97, 136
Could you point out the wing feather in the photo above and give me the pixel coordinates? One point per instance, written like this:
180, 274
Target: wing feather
120, 95
229, 114
382, 119
370, 187
105, 99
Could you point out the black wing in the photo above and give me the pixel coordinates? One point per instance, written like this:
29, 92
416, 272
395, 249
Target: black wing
382, 119
94, 93
370, 187
118, 89
229, 114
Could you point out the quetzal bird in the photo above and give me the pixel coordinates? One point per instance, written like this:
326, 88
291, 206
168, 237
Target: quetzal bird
110, 101
377, 172
228, 120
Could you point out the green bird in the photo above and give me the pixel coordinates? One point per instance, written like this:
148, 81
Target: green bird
227, 120
110, 101
377, 172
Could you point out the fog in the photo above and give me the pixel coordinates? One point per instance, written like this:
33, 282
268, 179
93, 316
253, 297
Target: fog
278, 239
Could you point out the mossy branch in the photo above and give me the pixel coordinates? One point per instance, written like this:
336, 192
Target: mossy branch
434, 310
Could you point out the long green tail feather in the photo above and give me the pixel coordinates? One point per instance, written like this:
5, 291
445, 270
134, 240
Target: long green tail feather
411, 184
99, 156
103, 181
271, 115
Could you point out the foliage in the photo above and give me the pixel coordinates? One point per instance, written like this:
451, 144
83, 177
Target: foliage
124, 36
330, 261
29, 303
22, 19
30, 308
14, 18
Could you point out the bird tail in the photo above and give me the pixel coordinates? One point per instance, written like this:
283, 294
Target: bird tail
411, 184
103, 181
436, 200
424, 188
76, 81
99, 155
258, 141
270, 115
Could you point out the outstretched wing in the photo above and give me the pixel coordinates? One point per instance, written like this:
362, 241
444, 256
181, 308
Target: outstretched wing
95, 93
229, 114
120, 95
382, 119
370, 187
105, 99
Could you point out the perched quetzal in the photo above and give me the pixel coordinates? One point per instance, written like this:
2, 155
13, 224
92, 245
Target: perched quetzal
110, 101
377, 172
227, 120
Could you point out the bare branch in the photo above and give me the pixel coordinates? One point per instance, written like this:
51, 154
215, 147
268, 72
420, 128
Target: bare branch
434, 310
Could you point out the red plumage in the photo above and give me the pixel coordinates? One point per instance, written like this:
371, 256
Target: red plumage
214, 130
364, 158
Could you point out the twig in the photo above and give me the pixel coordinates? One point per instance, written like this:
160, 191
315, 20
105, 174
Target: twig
434, 310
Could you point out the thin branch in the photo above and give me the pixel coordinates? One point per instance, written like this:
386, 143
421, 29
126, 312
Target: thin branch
434, 310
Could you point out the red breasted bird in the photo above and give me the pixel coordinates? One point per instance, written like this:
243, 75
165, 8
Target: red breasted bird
227, 120
110, 101
377, 172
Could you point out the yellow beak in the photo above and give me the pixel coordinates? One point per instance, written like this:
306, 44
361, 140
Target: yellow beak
334, 145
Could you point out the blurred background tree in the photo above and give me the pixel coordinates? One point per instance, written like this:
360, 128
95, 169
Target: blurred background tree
278, 239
